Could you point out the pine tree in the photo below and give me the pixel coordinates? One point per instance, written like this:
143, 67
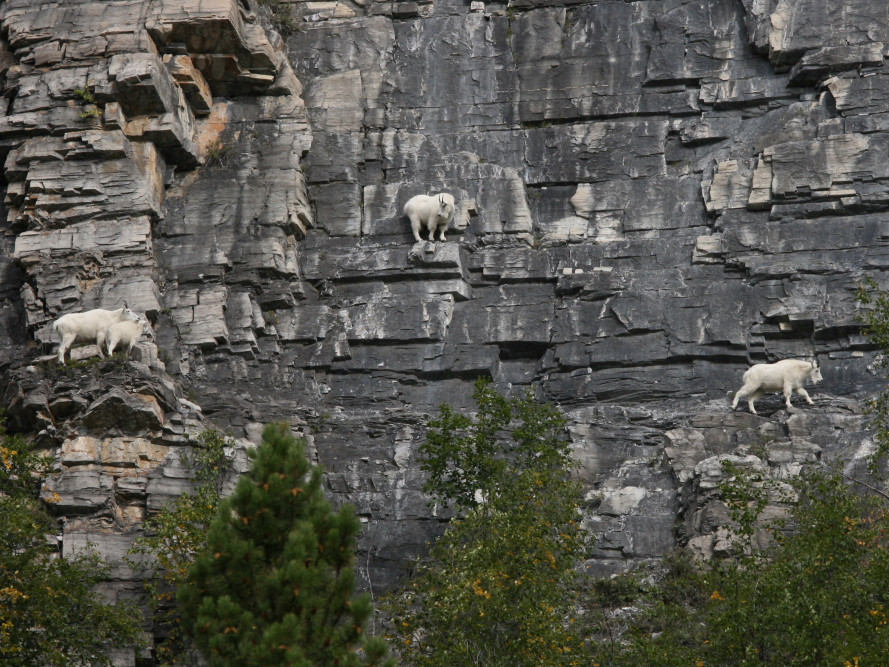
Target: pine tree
275, 586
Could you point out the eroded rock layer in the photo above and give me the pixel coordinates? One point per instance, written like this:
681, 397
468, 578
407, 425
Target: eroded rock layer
651, 195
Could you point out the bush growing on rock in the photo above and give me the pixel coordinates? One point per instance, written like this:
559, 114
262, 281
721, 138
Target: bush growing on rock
817, 597
176, 534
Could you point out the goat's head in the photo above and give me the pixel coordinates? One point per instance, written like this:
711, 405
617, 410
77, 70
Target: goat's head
445, 208
815, 373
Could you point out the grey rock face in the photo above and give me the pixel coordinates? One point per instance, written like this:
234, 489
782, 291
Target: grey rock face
651, 196
662, 194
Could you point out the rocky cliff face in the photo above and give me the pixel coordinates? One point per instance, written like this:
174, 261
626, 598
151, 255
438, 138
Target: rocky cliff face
651, 196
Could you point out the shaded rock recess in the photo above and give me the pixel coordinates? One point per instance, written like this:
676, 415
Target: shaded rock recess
651, 195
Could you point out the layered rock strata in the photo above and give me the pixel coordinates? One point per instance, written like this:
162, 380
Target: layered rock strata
114, 111
651, 196
655, 195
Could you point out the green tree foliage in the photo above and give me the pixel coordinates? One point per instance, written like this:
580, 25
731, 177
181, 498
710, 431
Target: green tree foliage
820, 596
176, 534
50, 613
500, 586
275, 585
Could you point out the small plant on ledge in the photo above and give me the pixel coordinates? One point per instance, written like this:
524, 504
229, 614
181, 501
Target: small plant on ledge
219, 154
282, 16
92, 108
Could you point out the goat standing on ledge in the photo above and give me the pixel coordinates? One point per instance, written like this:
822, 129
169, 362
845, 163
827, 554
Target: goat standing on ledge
786, 375
433, 212
88, 327
125, 333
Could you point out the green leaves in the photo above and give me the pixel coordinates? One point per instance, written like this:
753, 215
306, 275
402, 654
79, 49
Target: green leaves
50, 613
472, 458
500, 586
817, 597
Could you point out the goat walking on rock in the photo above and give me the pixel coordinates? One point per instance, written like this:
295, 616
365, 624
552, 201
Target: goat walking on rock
786, 375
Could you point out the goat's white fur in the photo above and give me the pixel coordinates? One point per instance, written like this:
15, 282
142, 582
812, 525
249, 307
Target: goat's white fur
126, 333
88, 326
786, 375
434, 212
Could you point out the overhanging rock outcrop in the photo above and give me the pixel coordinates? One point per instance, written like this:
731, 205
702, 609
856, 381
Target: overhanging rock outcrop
113, 112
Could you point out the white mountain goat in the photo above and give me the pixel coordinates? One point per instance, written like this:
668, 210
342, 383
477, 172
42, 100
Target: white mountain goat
434, 212
786, 375
88, 327
125, 333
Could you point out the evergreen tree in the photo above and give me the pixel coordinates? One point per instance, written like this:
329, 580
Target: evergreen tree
275, 586
50, 613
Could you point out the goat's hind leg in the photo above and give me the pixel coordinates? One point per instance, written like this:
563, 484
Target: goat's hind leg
738, 396
100, 343
67, 342
788, 392
416, 226
759, 393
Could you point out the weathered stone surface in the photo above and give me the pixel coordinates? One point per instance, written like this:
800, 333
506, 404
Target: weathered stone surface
111, 108
651, 196
117, 410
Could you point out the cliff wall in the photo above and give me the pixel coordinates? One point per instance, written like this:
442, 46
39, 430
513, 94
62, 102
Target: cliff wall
651, 196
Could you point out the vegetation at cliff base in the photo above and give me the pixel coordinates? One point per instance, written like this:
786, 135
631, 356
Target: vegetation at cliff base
820, 596
174, 536
500, 586
50, 612
275, 585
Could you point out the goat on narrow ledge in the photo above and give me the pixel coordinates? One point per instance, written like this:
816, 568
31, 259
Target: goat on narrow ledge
786, 375
88, 327
434, 212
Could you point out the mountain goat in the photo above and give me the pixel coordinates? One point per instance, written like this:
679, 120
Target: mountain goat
89, 327
126, 332
786, 375
434, 212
